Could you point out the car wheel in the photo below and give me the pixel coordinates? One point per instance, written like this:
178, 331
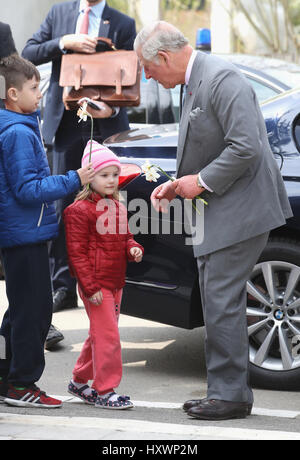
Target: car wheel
273, 316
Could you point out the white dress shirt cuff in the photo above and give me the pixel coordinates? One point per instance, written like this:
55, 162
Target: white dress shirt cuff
116, 111
61, 45
204, 184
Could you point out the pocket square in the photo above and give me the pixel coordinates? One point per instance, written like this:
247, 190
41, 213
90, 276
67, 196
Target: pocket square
196, 112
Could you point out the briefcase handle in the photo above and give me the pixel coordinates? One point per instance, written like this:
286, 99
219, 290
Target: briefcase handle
105, 44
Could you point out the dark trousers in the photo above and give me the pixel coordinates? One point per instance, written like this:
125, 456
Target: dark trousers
27, 320
70, 141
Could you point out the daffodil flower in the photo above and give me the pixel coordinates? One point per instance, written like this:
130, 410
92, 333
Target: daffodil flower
150, 171
82, 112
151, 175
83, 115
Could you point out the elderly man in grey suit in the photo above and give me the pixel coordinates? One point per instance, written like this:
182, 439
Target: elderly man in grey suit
223, 153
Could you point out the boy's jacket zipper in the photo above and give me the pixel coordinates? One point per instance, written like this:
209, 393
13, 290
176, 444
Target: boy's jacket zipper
43, 205
41, 215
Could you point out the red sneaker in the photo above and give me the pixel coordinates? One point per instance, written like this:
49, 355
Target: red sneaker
30, 397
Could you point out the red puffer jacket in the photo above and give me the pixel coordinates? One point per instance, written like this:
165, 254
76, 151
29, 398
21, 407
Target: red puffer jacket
98, 243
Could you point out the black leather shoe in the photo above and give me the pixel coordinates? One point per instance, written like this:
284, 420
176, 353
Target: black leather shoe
54, 336
63, 299
195, 402
216, 409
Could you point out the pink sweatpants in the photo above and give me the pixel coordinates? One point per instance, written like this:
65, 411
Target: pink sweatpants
100, 359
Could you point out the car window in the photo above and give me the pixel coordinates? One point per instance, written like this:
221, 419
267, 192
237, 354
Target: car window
297, 133
263, 91
289, 76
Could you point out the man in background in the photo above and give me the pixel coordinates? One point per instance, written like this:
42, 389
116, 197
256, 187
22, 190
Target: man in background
74, 27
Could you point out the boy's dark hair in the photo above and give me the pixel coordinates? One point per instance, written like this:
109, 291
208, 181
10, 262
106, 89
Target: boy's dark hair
16, 71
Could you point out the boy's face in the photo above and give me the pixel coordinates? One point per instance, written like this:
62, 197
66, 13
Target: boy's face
27, 99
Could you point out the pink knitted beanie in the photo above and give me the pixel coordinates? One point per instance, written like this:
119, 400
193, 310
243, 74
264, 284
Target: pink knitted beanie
101, 157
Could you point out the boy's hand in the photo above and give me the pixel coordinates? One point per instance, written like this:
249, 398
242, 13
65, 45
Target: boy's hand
137, 253
96, 298
86, 174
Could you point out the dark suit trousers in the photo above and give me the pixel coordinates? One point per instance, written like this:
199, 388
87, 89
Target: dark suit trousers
27, 320
70, 141
223, 277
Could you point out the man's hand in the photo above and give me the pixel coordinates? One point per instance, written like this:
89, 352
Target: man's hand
86, 174
162, 195
80, 43
187, 187
104, 111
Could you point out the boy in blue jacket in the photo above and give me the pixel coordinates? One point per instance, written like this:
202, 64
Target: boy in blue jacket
27, 222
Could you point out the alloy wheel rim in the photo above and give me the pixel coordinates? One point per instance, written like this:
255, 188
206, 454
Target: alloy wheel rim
273, 315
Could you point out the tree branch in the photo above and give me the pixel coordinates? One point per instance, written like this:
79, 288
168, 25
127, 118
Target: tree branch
239, 5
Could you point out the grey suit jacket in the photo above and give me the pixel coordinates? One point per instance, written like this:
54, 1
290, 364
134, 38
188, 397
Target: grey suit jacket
222, 134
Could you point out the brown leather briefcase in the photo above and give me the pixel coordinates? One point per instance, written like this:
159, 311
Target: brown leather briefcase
109, 76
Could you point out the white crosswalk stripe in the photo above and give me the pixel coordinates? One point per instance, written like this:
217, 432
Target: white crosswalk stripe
164, 405
104, 428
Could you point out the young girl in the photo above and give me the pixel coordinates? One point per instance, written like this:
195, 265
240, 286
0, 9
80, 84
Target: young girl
99, 244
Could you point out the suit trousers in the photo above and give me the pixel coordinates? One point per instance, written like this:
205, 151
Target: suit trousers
70, 141
223, 277
27, 320
100, 359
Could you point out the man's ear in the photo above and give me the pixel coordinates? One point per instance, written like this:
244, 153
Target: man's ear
164, 56
12, 93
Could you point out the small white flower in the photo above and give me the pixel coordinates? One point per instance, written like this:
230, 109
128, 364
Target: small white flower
150, 172
152, 176
82, 113
146, 166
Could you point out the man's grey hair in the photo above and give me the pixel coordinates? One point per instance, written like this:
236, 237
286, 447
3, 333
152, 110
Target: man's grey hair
160, 36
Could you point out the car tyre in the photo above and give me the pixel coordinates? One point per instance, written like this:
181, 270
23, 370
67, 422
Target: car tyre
274, 325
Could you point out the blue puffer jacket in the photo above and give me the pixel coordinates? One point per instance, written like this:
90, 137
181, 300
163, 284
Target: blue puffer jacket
27, 190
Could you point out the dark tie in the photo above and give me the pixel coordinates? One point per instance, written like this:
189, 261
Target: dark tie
182, 97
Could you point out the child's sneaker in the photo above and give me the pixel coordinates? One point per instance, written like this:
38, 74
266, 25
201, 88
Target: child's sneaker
30, 397
89, 397
113, 401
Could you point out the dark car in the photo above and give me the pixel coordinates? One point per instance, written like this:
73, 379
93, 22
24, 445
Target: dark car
164, 287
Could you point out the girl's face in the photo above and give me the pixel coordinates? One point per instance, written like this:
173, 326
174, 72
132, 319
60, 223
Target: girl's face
106, 180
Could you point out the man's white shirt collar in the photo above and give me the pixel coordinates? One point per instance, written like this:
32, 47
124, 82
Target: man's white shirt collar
97, 10
189, 67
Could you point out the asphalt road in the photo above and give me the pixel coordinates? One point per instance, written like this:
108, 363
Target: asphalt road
163, 367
